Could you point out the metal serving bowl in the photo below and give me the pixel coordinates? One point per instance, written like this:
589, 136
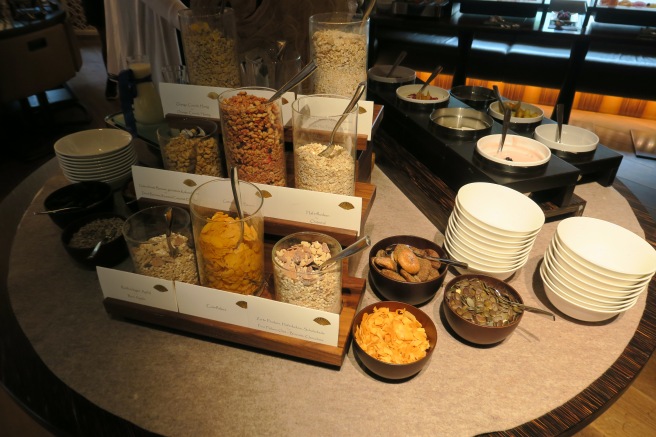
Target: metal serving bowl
461, 123
477, 97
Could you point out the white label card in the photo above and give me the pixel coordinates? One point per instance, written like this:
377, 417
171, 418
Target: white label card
202, 101
166, 185
139, 289
294, 321
213, 304
365, 113
312, 207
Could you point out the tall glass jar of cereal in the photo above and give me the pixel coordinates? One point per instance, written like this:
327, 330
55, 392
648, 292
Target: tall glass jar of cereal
314, 118
338, 44
253, 134
209, 42
297, 276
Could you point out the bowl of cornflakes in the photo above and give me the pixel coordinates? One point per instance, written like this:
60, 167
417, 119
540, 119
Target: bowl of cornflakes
393, 340
399, 269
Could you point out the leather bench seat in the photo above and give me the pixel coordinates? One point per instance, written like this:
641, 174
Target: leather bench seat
537, 63
619, 70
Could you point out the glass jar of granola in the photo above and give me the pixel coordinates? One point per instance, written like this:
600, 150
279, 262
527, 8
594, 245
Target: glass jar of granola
209, 46
338, 44
253, 134
154, 253
297, 276
314, 118
191, 145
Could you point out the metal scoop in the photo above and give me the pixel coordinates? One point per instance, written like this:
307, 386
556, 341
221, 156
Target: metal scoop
354, 248
502, 107
504, 128
234, 182
432, 77
398, 61
502, 299
168, 216
560, 109
109, 236
291, 83
354, 100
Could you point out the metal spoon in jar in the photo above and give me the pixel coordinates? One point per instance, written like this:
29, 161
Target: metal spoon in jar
291, 83
504, 128
398, 61
560, 109
234, 182
504, 299
168, 216
432, 77
389, 249
354, 100
354, 248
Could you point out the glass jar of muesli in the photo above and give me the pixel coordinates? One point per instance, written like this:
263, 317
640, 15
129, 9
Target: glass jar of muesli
338, 44
314, 118
209, 43
253, 134
191, 145
156, 254
298, 280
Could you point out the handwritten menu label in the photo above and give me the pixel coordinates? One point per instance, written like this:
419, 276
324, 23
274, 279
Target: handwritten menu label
312, 207
294, 321
165, 185
213, 304
139, 289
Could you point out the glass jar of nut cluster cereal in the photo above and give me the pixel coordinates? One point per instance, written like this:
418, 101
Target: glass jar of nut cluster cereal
156, 254
314, 118
209, 46
338, 44
230, 250
191, 145
253, 134
297, 278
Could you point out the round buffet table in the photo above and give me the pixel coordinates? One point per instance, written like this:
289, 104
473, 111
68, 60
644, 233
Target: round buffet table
548, 377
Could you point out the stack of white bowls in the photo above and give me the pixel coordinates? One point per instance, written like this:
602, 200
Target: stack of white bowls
492, 228
594, 270
105, 155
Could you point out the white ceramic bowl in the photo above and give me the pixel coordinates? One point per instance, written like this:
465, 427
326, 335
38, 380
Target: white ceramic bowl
571, 308
488, 237
607, 248
586, 282
477, 267
573, 139
517, 152
500, 208
92, 143
485, 248
484, 260
518, 123
487, 229
439, 97
584, 295
401, 76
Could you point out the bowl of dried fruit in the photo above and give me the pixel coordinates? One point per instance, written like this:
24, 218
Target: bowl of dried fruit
432, 97
524, 117
400, 269
476, 313
96, 240
393, 340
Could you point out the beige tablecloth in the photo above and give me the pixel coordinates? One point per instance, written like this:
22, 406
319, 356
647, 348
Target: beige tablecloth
184, 386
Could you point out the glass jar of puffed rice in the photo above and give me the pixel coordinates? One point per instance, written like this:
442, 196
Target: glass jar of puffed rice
209, 43
338, 44
315, 168
297, 273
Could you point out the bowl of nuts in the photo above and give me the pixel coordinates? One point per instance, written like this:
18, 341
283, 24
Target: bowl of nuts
96, 240
399, 269
477, 313
393, 340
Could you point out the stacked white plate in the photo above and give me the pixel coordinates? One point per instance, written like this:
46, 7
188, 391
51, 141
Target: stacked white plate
105, 155
492, 228
594, 270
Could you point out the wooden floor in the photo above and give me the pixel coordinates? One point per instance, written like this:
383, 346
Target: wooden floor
634, 414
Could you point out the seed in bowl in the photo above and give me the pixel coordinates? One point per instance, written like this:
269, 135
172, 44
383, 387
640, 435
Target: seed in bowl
88, 235
475, 301
405, 264
395, 337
